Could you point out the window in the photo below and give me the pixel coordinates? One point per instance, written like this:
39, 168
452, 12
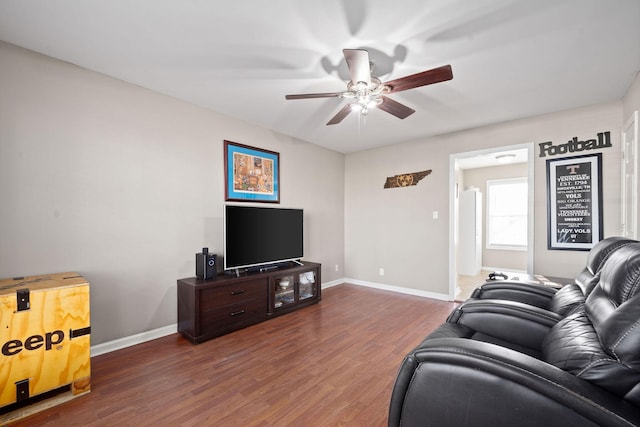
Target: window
507, 205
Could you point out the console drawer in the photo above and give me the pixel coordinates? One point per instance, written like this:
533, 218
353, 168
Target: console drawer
232, 316
232, 293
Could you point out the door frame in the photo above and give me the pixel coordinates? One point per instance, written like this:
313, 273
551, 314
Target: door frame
453, 206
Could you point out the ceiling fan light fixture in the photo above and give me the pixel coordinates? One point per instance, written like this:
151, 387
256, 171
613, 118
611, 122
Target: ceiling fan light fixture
364, 102
372, 102
361, 87
362, 109
368, 92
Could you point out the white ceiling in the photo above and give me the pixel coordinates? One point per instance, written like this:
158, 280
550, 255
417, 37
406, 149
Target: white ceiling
510, 58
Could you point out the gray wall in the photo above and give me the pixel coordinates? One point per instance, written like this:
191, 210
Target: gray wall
394, 228
124, 186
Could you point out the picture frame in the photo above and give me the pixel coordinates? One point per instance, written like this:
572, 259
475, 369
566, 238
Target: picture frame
574, 202
251, 174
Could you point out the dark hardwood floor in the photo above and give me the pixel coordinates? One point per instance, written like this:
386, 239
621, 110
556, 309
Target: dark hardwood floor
330, 364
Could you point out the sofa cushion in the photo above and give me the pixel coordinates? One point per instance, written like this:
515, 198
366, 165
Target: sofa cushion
567, 299
573, 346
456, 330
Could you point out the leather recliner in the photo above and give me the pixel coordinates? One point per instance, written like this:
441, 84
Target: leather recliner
508, 364
561, 301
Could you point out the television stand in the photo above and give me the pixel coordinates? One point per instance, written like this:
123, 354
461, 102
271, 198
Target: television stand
208, 308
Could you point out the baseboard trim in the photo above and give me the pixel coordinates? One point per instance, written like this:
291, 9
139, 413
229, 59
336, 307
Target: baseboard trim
399, 289
125, 342
333, 283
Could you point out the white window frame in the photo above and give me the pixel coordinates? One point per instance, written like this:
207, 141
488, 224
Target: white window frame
489, 245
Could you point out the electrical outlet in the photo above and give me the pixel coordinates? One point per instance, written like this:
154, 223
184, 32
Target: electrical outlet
337, 268
381, 271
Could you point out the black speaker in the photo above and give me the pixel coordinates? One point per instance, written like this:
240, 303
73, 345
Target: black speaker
206, 267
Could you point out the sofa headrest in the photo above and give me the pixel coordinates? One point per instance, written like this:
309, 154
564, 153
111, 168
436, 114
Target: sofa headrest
598, 255
620, 274
614, 305
601, 251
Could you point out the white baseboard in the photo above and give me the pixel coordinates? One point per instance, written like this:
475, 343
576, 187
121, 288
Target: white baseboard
332, 283
125, 342
399, 289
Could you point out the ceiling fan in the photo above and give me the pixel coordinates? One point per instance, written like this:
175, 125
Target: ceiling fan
368, 92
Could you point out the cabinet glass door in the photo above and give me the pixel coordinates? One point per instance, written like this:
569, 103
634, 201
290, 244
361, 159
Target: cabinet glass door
284, 292
307, 285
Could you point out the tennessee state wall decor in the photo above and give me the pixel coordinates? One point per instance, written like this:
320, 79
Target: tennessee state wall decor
406, 179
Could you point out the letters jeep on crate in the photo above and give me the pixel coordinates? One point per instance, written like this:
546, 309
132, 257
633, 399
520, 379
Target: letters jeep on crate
44, 337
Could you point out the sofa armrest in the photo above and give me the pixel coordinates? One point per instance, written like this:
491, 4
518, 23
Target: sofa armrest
461, 382
528, 293
509, 321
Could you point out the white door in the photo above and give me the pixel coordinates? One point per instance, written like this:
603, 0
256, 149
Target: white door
470, 233
629, 196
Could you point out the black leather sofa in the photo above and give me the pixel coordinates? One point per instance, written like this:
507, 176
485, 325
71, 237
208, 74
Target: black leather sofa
563, 300
504, 363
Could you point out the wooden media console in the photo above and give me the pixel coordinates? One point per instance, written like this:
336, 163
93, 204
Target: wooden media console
208, 308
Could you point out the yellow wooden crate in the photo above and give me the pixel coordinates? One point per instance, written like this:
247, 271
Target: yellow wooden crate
44, 336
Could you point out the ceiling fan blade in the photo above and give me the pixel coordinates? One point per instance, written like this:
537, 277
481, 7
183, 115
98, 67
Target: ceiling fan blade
341, 115
394, 107
424, 78
314, 95
358, 63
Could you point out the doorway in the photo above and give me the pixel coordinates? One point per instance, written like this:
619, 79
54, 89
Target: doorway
480, 167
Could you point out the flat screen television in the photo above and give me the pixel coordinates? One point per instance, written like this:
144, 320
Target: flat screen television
257, 236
